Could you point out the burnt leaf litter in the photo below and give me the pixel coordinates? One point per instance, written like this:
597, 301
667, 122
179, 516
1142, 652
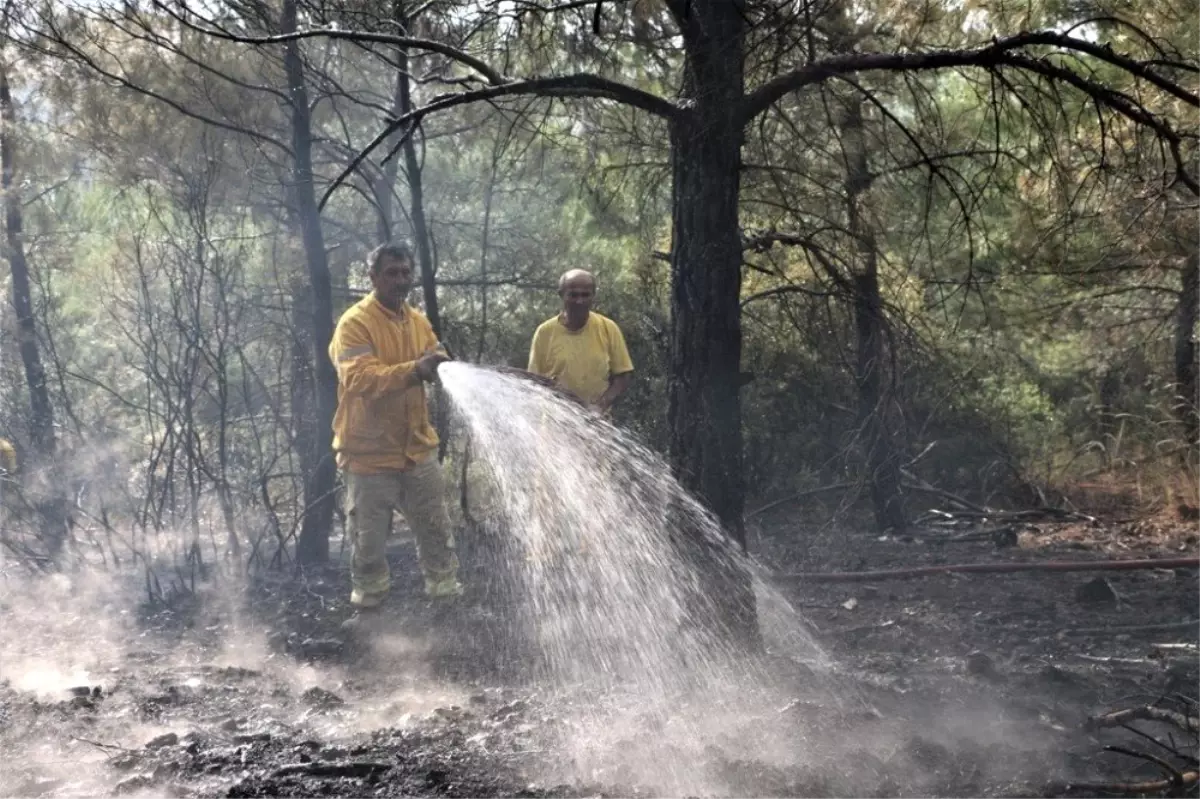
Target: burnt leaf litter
1021, 684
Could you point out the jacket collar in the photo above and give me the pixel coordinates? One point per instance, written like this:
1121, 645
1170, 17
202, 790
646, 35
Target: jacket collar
374, 302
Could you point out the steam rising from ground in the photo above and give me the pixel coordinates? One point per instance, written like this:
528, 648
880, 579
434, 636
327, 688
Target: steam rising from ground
635, 686
207, 672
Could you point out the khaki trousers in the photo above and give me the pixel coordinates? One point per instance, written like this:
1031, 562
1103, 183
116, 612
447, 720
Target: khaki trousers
419, 494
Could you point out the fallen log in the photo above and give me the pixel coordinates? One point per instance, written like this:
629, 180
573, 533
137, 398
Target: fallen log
1188, 779
1166, 627
1119, 717
990, 568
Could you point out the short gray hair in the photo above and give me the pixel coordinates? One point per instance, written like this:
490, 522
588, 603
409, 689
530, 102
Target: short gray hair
399, 250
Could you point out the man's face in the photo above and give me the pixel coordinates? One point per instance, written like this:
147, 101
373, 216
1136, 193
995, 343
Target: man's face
392, 280
577, 296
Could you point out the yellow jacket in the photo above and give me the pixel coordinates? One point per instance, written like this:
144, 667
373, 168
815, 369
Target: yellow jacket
382, 421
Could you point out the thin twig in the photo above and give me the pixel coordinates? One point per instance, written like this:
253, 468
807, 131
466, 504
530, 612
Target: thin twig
794, 497
1176, 777
100, 745
1192, 759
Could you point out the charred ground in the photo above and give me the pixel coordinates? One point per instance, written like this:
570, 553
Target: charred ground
947, 685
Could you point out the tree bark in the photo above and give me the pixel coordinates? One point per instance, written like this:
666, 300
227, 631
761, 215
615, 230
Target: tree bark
313, 543
1185, 347
52, 510
704, 409
402, 104
883, 467
412, 167
423, 241
1109, 412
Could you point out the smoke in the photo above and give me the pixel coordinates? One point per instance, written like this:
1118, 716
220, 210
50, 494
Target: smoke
630, 688
647, 689
88, 672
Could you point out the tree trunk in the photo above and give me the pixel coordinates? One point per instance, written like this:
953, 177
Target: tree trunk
412, 167
485, 234
1185, 347
883, 468
52, 510
313, 544
402, 103
704, 410
1106, 418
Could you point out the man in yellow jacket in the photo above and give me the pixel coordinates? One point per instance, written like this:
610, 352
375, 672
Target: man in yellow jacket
385, 351
582, 351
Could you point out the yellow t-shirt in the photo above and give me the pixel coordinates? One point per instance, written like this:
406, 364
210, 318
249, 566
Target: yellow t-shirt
581, 361
8, 457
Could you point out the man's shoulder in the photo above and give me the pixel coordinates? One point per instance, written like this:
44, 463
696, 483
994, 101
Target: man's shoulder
417, 315
605, 322
547, 326
358, 321
358, 310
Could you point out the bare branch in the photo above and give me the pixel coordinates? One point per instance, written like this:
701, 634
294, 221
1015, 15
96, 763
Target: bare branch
578, 85
997, 54
788, 289
55, 38
493, 77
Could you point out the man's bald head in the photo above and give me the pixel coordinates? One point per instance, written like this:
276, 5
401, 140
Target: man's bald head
577, 289
576, 278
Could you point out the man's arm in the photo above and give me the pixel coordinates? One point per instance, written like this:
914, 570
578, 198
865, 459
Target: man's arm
537, 354
620, 369
360, 371
617, 384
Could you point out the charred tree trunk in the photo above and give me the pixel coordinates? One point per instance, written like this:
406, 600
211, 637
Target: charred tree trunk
52, 508
416, 189
401, 104
1185, 348
704, 408
485, 234
313, 543
883, 467
302, 433
1106, 419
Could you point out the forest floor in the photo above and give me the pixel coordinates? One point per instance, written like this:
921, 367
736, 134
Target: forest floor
948, 685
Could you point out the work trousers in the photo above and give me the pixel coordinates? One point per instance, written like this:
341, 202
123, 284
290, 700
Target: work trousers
419, 494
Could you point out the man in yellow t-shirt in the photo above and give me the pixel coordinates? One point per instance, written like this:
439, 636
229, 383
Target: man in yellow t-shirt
8, 458
582, 351
384, 351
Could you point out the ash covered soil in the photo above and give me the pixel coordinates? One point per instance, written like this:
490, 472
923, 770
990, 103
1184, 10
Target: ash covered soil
967, 685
